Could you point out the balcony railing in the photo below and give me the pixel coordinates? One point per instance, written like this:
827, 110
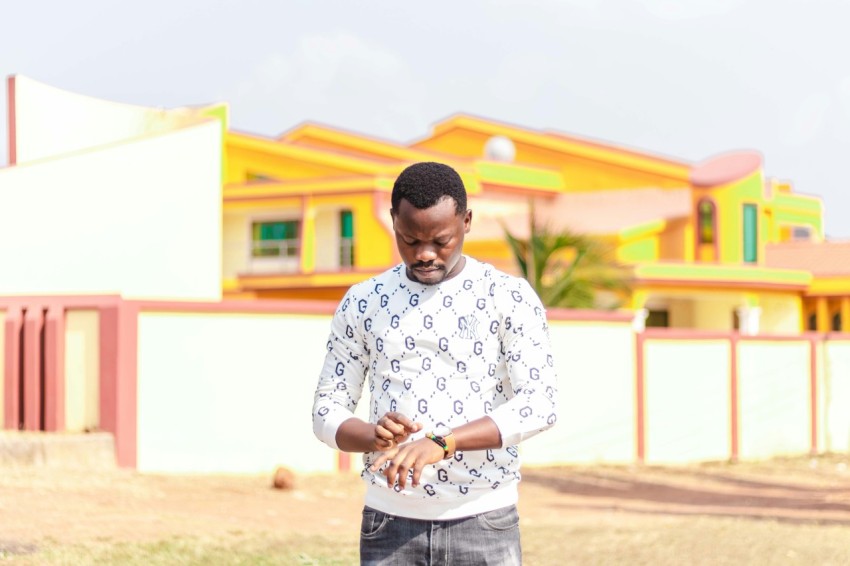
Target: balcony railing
346, 252
276, 248
280, 256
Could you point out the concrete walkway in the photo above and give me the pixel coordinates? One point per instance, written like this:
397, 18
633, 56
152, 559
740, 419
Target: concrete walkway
61, 450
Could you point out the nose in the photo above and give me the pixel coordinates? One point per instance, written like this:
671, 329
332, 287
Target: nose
425, 253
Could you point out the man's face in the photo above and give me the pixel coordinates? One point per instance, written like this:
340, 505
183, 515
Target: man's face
430, 240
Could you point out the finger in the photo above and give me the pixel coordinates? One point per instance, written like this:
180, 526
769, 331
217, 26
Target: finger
417, 473
392, 471
383, 433
403, 421
394, 427
402, 476
406, 466
382, 459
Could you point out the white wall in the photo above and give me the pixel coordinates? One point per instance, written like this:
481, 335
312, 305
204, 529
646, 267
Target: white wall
233, 393
774, 398
2, 369
50, 122
596, 392
142, 219
229, 393
688, 400
836, 418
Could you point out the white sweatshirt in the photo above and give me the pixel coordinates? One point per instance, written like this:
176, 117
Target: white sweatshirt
446, 354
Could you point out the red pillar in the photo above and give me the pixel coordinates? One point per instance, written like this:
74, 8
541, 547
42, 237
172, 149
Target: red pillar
12, 368
33, 388
118, 402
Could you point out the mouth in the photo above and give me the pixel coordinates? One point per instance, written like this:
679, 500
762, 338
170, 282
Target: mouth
428, 269
425, 273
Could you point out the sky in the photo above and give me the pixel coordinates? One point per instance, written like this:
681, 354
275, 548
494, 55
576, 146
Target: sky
688, 79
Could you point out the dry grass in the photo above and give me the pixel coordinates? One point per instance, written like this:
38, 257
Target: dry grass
789, 511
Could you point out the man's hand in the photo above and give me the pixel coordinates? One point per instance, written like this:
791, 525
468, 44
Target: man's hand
393, 429
411, 457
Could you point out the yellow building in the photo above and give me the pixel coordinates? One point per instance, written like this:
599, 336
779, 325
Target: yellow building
711, 245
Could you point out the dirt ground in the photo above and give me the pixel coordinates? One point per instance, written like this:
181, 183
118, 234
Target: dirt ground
44, 505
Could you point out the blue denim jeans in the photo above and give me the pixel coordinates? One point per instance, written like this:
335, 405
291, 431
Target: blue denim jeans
490, 538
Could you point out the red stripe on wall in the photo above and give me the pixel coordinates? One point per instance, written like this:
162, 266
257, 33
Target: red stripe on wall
54, 370
588, 315
640, 344
283, 306
118, 374
12, 368
33, 325
733, 400
343, 462
13, 150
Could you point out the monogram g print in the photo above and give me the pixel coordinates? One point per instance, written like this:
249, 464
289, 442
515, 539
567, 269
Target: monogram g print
445, 354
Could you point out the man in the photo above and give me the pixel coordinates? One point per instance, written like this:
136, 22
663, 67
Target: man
459, 369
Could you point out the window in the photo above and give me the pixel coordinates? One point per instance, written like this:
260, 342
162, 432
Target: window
836, 322
275, 239
750, 233
813, 322
801, 233
658, 319
705, 212
346, 238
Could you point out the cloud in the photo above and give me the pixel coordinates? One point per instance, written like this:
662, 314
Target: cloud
339, 79
687, 9
808, 119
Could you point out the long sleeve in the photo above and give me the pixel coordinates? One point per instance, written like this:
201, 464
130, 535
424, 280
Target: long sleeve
343, 372
528, 356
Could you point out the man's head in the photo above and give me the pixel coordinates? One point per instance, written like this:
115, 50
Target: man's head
430, 219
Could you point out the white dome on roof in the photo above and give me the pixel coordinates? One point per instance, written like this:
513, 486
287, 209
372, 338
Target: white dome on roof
500, 148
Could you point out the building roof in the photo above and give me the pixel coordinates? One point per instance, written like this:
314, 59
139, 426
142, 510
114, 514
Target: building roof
611, 211
725, 168
560, 143
822, 259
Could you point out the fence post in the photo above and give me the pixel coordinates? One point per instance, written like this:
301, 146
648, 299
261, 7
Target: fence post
118, 373
33, 376
12, 369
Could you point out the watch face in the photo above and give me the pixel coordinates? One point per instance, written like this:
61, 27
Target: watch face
442, 430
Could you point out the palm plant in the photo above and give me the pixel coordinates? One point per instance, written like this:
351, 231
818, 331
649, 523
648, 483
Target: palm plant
568, 269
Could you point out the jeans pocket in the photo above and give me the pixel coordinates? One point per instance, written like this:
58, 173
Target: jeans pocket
503, 519
372, 523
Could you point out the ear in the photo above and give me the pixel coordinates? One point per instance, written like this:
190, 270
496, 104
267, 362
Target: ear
393, 214
467, 220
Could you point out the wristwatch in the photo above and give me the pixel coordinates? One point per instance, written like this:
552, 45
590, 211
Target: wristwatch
444, 437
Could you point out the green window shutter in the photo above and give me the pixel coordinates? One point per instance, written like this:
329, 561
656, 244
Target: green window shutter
346, 232
346, 222
275, 232
750, 233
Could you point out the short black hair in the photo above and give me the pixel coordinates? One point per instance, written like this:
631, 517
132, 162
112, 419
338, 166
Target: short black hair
425, 184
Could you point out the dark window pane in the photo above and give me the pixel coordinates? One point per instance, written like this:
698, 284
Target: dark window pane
750, 233
706, 222
658, 319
